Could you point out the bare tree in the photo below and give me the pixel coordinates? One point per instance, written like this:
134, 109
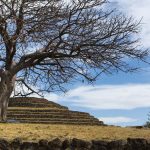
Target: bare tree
53, 42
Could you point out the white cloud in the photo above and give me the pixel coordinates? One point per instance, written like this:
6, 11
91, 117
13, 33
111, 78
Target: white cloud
128, 96
116, 120
52, 97
138, 9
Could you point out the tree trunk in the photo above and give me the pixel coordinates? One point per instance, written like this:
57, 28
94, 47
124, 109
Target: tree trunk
6, 87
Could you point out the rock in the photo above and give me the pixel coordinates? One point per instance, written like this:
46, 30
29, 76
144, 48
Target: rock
80, 144
66, 144
137, 144
148, 143
55, 144
76, 144
43, 145
29, 146
117, 145
15, 144
99, 145
4, 145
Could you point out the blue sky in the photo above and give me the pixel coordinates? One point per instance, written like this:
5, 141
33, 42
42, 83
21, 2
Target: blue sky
118, 99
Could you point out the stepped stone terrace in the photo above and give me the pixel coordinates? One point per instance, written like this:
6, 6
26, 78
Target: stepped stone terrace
39, 110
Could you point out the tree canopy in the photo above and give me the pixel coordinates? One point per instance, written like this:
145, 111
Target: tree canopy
47, 43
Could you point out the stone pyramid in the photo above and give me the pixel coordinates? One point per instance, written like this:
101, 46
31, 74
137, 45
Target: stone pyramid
39, 110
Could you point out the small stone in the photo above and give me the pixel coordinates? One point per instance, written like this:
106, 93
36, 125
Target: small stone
77, 143
29, 146
55, 144
99, 145
66, 144
43, 143
15, 144
117, 145
4, 145
137, 144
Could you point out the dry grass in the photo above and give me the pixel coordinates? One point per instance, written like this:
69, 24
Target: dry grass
34, 132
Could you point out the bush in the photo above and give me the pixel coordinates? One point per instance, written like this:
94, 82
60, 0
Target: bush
147, 124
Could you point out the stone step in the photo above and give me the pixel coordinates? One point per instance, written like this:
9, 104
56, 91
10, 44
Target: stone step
36, 108
61, 122
33, 102
33, 105
48, 116
56, 119
24, 111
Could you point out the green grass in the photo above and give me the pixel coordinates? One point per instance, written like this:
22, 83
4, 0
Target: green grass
35, 132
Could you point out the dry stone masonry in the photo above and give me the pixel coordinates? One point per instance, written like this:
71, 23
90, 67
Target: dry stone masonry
75, 144
39, 110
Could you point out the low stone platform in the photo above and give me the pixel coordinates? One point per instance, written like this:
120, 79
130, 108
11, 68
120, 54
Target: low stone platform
39, 110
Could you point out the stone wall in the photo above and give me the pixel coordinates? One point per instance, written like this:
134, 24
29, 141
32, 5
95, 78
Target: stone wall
76, 144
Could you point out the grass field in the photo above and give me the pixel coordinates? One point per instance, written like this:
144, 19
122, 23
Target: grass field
34, 132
